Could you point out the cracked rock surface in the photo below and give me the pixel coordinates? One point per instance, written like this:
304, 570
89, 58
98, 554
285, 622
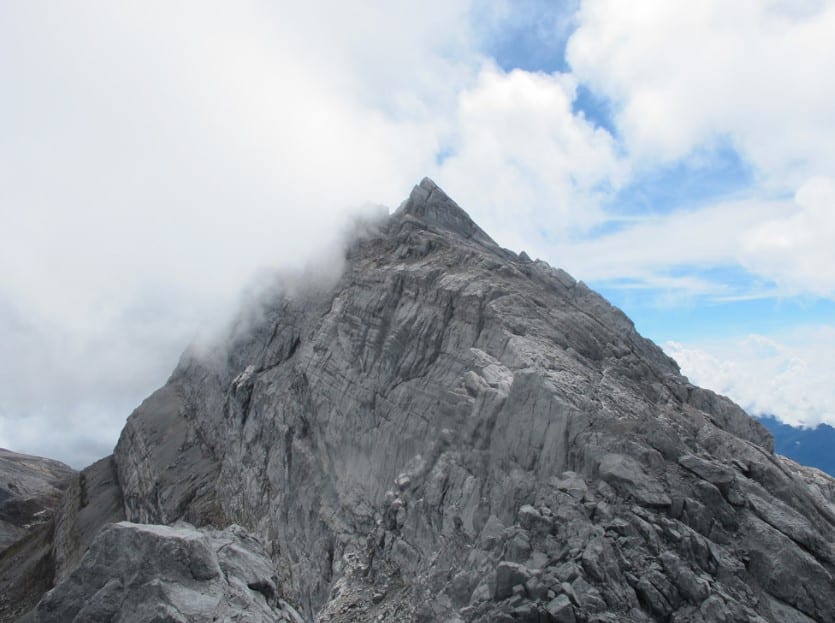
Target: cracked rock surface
453, 432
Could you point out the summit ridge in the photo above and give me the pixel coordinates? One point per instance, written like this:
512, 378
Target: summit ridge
429, 203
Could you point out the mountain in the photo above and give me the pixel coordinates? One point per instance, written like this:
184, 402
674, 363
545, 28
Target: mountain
814, 447
31, 489
448, 432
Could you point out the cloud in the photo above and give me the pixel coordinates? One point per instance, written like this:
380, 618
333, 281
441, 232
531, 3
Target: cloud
687, 83
651, 249
785, 245
797, 251
531, 169
788, 375
155, 157
749, 72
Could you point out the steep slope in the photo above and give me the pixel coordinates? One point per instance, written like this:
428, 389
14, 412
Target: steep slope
30, 492
452, 432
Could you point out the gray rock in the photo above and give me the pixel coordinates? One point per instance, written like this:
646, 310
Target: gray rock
571, 483
30, 489
508, 576
173, 573
447, 421
560, 610
491, 533
692, 587
30, 494
92, 500
626, 473
712, 472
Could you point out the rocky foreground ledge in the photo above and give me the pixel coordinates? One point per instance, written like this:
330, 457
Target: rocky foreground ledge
449, 432
176, 574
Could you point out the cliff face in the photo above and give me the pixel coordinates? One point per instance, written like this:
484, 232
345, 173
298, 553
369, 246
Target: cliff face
453, 432
31, 490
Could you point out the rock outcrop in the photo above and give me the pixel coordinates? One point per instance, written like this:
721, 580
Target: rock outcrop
176, 574
453, 432
93, 499
31, 490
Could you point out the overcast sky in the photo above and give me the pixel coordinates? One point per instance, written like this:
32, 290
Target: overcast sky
677, 156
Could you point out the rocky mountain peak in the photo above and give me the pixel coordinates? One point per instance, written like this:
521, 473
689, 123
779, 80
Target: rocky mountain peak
451, 432
429, 204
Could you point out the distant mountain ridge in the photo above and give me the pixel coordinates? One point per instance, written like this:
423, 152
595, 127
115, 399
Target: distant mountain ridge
814, 447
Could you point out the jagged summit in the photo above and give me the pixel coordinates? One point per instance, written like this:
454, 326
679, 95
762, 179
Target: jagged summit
430, 204
450, 432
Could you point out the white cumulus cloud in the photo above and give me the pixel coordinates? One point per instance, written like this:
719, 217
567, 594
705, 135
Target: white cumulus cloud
788, 376
750, 76
526, 164
749, 72
797, 251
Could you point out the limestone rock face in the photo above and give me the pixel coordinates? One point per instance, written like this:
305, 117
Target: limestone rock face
453, 432
176, 574
31, 489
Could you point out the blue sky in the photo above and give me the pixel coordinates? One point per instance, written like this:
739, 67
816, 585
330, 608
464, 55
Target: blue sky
535, 40
154, 161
